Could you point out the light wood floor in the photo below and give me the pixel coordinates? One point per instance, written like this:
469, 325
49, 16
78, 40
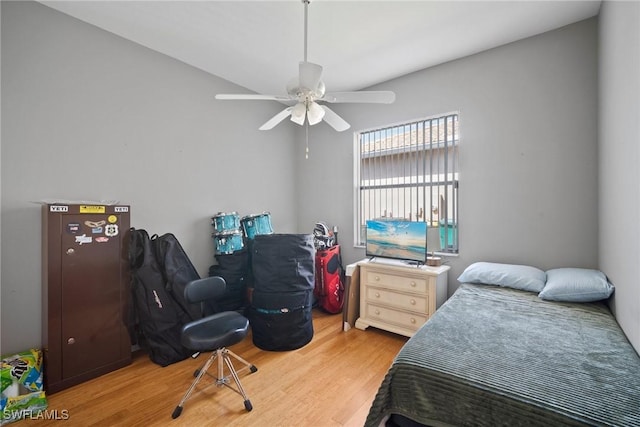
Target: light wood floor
329, 382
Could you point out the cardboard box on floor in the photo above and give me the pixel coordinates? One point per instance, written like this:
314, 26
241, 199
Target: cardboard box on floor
351, 309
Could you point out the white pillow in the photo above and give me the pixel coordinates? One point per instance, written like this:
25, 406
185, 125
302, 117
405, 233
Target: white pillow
515, 276
576, 285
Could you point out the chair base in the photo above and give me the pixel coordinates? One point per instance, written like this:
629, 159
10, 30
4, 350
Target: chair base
224, 358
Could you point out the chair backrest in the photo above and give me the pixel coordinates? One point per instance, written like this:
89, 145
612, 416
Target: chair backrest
204, 289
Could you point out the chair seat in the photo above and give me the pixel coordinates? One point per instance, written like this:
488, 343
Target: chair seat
215, 331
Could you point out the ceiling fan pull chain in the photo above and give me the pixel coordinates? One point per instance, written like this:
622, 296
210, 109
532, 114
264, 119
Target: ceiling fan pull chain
306, 131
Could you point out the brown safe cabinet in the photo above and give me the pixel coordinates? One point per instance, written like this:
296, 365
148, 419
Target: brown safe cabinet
85, 292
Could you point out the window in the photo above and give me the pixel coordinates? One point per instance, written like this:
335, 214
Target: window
410, 171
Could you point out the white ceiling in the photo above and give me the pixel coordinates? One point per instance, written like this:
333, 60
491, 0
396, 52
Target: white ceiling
258, 44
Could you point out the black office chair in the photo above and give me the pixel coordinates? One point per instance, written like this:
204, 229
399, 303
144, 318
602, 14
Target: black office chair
214, 333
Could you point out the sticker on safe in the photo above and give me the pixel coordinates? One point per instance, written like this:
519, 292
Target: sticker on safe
73, 227
92, 209
111, 230
82, 239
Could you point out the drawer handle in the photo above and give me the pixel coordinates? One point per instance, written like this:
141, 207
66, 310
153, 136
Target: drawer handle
377, 294
413, 302
377, 311
413, 320
377, 278
413, 284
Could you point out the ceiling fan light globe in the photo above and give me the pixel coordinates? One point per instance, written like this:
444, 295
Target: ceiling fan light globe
297, 120
298, 113
315, 113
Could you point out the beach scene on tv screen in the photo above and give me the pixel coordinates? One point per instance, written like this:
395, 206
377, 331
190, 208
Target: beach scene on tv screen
396, 239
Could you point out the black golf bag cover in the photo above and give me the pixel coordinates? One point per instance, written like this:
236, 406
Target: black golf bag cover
234, 269
157, 318
284, 274
177, 270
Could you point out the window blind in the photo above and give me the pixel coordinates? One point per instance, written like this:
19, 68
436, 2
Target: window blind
410, 171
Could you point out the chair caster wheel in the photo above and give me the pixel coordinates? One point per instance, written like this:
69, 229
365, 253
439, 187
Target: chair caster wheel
196, 373
247, 405
253, 369
178, 411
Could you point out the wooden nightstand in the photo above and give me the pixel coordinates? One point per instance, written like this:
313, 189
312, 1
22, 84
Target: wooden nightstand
399, 298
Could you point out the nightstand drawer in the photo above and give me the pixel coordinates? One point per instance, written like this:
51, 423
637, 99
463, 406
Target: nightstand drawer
388, 315
408, 302
402, 283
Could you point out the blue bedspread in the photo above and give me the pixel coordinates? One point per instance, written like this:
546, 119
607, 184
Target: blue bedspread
500, 357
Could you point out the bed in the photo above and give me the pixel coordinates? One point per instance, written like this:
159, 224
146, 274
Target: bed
493, 355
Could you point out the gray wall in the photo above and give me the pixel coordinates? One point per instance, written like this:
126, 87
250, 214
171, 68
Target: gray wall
619, 157
89, 116
528, 151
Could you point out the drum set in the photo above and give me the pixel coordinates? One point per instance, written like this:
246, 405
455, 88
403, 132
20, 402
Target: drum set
231, 231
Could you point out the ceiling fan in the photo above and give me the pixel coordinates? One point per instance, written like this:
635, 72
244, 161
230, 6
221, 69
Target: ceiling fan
306, 90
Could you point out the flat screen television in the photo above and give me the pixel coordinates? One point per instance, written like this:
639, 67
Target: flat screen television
397, 239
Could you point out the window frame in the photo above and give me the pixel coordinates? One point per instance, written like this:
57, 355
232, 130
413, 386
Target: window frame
451, 183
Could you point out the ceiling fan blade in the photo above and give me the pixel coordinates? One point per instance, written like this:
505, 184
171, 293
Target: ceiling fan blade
248, 96
277, 119
334, 120
310, 74
373, 97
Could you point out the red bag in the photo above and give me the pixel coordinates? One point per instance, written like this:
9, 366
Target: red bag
329, 286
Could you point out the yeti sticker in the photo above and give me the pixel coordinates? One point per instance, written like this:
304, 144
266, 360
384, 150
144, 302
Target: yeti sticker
111, 230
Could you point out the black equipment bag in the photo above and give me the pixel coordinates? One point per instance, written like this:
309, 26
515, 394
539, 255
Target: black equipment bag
283, 262
281, 321
234, 266
283, 270
234, 269
177, 270
158, 318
